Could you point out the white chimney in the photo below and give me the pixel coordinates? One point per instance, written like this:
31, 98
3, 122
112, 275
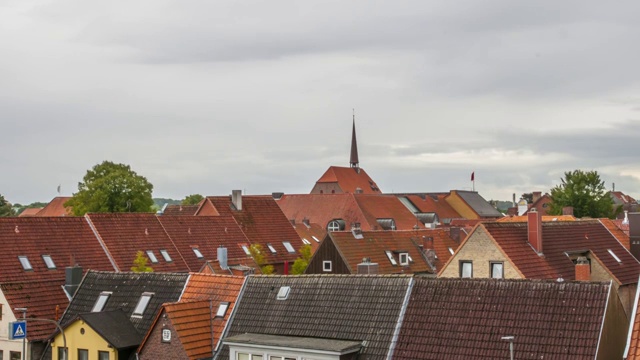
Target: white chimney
236, 199
222, 258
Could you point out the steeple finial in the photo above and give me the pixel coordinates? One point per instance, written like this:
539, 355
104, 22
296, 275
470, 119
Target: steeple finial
354, 145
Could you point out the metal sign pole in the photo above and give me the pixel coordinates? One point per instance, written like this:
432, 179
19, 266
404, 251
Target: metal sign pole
24, 340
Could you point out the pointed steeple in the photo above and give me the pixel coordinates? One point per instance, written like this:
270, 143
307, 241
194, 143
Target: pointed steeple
354, 145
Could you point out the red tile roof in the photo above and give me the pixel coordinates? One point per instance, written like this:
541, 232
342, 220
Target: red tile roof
558, 238
188, 210
467, 318
632, 351
349, 179
56, 207
386, 207
206, 233
207, 286
30, 212
434, 203
374, 245
619, 230
263, 223
124, 234
312, 233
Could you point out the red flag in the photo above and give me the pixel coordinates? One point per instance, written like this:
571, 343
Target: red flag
473, 176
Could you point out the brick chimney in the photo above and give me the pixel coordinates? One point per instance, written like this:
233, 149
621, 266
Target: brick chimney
534, 230
634, 233
583, 269
367, 267
427, 241
567, 210
536, 196
454, 234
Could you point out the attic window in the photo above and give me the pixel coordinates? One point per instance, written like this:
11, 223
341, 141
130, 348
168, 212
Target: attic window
49, 262
315, 238
152, 256
246, 249
25, 263
288, 246
387, 224
222, 309
283, 293
335, 225
451, 251
391, 258
273, 250
404, 259
197, 252
142, 304
101, 302
165, 255
614, 255
307, 242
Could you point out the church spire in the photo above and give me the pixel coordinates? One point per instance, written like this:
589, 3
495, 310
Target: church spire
354, 145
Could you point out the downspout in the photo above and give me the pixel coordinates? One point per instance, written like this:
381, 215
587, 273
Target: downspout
396, 332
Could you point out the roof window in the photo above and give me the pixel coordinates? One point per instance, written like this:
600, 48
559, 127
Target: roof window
315, 238
145, 298
335, 225
246, 249
222, 309
283, 293
152, 256
451, 251
288, 246
49, 262
101, 301
614, 255
387, 224
271, 248
307, 242
25, 263
197, 252
165, 255
391, 258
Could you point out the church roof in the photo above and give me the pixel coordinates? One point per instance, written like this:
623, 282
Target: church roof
350, 179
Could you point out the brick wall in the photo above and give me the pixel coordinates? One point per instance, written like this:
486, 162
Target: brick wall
480, 249
155, 349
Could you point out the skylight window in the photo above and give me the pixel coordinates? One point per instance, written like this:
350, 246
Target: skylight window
614, 255
451, 251
222, 309
101, 302
288, 246
165, 255
49, 262
315, 238
391, 258
25, 263
142, 304
283, 293
197, 252
271, 248
152, 256
246, 249
307, 242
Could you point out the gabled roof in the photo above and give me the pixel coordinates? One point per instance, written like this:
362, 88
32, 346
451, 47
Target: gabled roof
30, 212
558, 238
349, 179
466, 318
620, 198
262, 222
126, 289
207, 234
353, 307
477, 203
619, 230
181, 210
193, 316
541, 205
386, 207
124, 234
56, 207
375, 244
114, 327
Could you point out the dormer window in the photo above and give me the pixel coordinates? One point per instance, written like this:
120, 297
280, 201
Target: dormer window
152, 256
271, 248
222, 309
287, 245
142, 304
335, 225
387, 224
49, 262
101, 301
197, 252
391, 258
165, 255
24, 261
404, 259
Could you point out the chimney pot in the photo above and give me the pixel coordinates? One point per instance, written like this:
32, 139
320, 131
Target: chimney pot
536, 196
534, 230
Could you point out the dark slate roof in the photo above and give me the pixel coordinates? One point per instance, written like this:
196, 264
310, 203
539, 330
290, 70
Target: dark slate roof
339, 307
466, 319
115, 327
340, 346
126, 290
478, 204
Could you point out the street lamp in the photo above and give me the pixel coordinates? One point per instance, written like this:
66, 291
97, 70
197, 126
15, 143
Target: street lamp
24, 344
510, 340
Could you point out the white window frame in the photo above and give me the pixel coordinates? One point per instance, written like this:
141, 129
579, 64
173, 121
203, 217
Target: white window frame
24, 261
462, 264
326, 268
491, 265
166, 256
197, 252
283, 293
391, 258
614, 255
222, 309
101, 301
246, 249
271, 248
333, 225
48, 261
143, 303
152, 257
405, 261
451, 251
306, 242
289, 247
315, 238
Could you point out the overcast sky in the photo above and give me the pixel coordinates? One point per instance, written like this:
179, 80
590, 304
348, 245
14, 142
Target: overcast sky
209, 96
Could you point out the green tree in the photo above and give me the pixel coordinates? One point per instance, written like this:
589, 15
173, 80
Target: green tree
193, 199
258, 256
109, 187
5, 207
140, 263
585, 192
301, 263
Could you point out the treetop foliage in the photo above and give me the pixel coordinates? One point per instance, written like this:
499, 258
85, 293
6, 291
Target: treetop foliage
585, 192
5, 207
193, 199
140, 263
